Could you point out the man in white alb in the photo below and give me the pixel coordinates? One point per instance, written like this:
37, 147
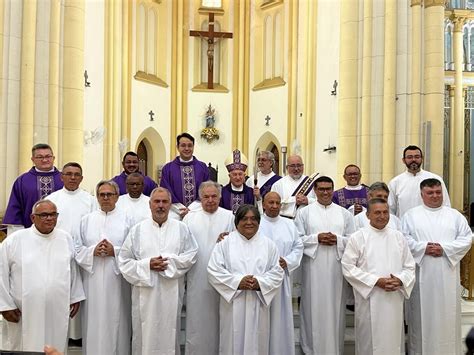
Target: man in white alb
265, 175
154, 258
290, 247
207, 225
136, 204
40, 285
106, 324
438, 237
378, 264
324, 228
405, 188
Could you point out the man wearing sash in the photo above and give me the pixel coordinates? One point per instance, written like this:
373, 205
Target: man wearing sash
236, 193
265, 175
295, 189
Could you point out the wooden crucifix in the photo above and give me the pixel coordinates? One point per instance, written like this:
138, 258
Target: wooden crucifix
212, 37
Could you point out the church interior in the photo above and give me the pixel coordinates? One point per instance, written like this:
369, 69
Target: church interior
336, 81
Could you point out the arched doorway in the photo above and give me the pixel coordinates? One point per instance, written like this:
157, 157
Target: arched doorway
274, 149
142, 158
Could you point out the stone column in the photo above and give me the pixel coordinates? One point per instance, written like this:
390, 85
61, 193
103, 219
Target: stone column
54, 69
416, 69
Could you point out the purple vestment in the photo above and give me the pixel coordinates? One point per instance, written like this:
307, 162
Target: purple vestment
232, 200
121, 181
346, 198
27, 189
183, 179
268, 185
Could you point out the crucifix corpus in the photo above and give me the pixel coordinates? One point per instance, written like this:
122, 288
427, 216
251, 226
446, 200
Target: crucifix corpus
211, 37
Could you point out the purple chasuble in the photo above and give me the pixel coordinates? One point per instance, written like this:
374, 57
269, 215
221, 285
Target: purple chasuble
27, 189
121, 181
268, 185
232, 200
183, 179
346, 198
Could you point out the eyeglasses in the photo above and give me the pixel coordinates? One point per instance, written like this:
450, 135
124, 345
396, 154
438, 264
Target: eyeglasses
44, 216
295, 166
43, 157
106, 195
263, 159
72, 174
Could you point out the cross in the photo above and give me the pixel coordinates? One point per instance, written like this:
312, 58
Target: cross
268, 118
151, 113
212, 38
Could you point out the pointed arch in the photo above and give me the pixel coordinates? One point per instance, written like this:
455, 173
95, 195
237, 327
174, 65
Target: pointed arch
268, 141
151, 141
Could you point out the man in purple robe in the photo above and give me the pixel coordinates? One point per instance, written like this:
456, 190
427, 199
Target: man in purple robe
183, 175
130, 165
41, 180
236, 193
354, 195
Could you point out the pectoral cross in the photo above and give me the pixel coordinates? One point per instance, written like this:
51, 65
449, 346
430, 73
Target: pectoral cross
212, 37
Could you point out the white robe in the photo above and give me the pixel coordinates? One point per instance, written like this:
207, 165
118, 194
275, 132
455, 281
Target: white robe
405, 191
261, 179
72, 206
137, 208
434, 321
39, 277
290, 247
202, 300
362, 221
370, 254
245, 314
285, 188
157, 296
106, 318
321, 265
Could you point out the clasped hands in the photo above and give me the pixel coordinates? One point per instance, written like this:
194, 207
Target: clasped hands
434, 249
158, 263
14, 315
389, 284
327, 238
249, 283
104, 248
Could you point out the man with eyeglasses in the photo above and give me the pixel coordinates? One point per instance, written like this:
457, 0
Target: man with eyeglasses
135, 203
106, 314
40, 181
354, 195
40, 284
405, 188
295, 189
72, 203
265, 175
130, 165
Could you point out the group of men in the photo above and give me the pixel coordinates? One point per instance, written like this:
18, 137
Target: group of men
124, 255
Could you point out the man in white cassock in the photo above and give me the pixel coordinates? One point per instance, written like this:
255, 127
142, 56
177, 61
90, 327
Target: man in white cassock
377, 190
135, 203
106, 318
244, 268
290, 248
324, 228
154, 258
40, 286
438, 237
207, 225
378, 264
72, 203
405, 188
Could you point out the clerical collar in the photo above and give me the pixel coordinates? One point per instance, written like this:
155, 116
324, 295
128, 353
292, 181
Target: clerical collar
271, 219
42, 171
433, 209
241, 188
324, 206
354, 188
164, 224
108, 213
265, 175
69, 192
133, 199
378, 230
418, 173
185, 161
36, 231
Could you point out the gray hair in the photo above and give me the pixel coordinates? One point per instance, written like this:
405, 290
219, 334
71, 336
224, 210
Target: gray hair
107, 182
210, 183
375, 201
379, 185
161, 189
270, 156
40, 202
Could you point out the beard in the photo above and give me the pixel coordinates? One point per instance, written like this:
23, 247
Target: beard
413, 166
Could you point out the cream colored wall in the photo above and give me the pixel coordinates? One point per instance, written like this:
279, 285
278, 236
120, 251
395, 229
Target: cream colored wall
94, 95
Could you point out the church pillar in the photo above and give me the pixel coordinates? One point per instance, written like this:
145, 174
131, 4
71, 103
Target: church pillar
457, 120
451, 136
433, 99
27, 84
389, 90
366, 101
293, 75
126, 71
415, 105
53, 71
348, 70
73, 87
3, 121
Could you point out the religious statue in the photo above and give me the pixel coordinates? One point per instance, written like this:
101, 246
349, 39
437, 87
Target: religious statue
210, 133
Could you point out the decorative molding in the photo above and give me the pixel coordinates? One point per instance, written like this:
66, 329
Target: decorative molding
416, 2
218, 88
430, 3
458, 23
269, 83
206, 10
268, 4
150, 78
